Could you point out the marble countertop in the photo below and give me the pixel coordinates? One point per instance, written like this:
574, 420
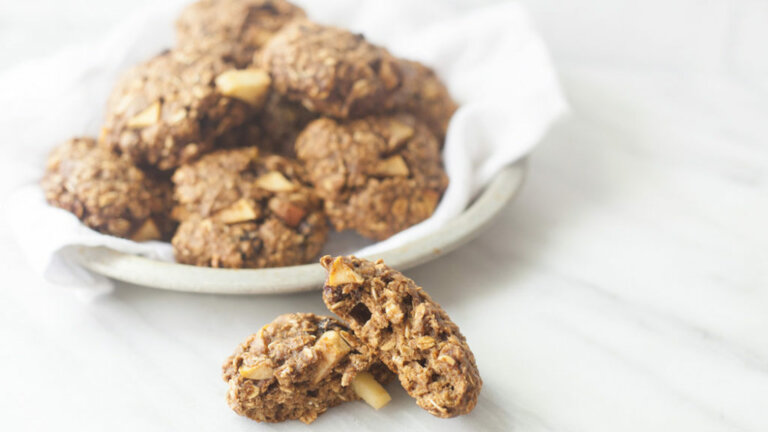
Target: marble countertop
625, 289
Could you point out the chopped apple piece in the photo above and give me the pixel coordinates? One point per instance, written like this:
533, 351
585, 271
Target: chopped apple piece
248, 85
259, 371
148, 117
341, 273
147, 231
399, 134
273, 181
240, 211
392, 167
331, 349
370, 390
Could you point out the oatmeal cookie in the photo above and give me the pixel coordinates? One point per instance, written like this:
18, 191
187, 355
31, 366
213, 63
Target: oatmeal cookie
169, 110
238, 209
298, 366
329, 70
233, 29
107, 192
407, 330
377, 175
425, 96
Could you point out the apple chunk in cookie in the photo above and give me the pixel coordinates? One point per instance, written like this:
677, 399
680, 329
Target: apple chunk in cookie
407, 330
298, 366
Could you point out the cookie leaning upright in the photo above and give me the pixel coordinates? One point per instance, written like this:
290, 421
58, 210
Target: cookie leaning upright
232, 29
170, 109
298, 366
240, 209
331, 71
407, 330
107, 192
377, 175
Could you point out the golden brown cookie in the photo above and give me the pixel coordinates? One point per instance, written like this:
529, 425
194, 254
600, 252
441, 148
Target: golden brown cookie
329, 70
238, 209
298, 366
170, 109
407, 330
107, 192
423, 94
377, 175
232, 29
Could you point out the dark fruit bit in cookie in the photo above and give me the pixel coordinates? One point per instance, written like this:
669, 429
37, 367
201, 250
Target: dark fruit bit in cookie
407, 330
298, 366
107, 192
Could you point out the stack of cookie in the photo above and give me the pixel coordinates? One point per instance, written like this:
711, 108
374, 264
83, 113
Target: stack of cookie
300, 365
255, 133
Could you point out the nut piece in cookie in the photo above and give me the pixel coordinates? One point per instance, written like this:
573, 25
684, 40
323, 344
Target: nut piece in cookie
407, 330
329, 70
425, 96
170, 109
107, 192
377, 175
239, 209
232, 29
298, 366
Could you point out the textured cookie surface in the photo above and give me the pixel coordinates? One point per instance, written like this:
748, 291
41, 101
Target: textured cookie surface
296, 367
407, 330
168, 110
422, 94
233, 29
238, 209
329, 70
377, 175
107, 192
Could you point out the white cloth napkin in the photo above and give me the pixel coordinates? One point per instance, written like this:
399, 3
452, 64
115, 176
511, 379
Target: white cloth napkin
487, 52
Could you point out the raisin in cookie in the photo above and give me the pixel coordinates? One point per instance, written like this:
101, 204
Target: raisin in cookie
233, 29
170, 110
407, 330
329, 70
298, 366
107, 192
238, 209
377, 175
425, 96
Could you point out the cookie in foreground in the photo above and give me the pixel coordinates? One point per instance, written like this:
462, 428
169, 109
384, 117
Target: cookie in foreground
239, 209
107, 192
298, 366
407, 330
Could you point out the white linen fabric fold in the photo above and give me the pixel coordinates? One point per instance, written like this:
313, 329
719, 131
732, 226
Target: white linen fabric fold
488, 54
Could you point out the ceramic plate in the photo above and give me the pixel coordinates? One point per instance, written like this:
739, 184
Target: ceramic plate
181, 277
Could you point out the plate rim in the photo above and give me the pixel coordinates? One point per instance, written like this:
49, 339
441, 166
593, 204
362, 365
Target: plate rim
147, 272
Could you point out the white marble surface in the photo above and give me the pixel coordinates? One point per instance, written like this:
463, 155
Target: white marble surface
626, 289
